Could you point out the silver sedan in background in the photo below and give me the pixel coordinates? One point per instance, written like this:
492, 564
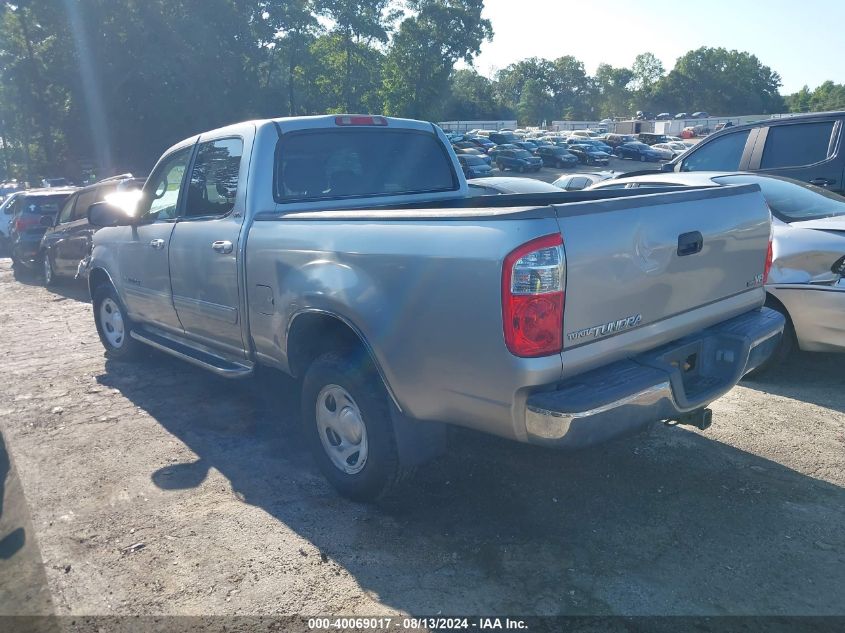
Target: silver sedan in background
807, 278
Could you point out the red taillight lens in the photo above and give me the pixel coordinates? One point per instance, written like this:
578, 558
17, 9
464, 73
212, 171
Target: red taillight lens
768, 267
22, 224
360, 120
533, 279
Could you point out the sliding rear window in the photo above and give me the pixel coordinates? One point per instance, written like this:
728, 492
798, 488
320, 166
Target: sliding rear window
360, 163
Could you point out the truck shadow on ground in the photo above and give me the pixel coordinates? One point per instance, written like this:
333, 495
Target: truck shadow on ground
809, 377
667, 521
67, 288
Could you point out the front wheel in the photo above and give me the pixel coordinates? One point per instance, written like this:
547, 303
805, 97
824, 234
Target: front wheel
113, 324
48, 272
348, 426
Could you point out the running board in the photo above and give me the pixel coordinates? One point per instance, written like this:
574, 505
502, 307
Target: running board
211, 362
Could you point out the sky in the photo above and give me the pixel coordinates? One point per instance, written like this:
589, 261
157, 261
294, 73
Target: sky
803, 41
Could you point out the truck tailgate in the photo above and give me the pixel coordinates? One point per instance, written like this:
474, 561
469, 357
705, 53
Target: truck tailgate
634, 262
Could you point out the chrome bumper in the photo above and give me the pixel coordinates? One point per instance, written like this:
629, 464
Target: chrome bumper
663, 384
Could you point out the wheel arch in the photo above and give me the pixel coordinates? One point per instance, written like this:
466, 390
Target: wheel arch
312, 332
96, 277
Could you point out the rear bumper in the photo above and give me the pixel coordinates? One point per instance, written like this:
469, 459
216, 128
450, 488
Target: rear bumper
26, 248
629, 394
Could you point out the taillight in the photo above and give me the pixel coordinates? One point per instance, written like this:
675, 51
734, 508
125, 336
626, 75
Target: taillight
23, 223
768, 267
769, 253
360, 120
533, 280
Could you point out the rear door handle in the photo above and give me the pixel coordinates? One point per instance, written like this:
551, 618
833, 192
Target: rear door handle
822, 182
157, 244
224, 247
690, 243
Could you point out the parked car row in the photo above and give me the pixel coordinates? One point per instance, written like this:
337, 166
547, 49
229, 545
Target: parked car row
47, 230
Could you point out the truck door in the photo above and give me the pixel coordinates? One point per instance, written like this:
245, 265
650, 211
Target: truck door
142, 253
204, 247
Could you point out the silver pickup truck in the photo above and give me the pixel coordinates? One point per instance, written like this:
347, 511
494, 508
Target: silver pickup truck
347, 252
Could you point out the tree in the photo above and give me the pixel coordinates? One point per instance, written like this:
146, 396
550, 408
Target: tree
611, 89
647, 71
424, 51
471, 98
354, 23
535, 104
800, 101
722, 82
286, 29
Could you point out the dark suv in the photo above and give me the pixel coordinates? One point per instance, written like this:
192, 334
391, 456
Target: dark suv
68, 240
805, 147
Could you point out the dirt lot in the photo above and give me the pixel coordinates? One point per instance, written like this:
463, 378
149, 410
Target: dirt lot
156, 488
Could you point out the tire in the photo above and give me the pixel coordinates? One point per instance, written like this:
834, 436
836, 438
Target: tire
787, 346
48, 273
500, 166
114, 332
347, 382
521, 169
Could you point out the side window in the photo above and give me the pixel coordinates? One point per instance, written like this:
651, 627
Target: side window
214, 178
84, 200
577, 183
797, 144
720, 154
160, 197
66, 214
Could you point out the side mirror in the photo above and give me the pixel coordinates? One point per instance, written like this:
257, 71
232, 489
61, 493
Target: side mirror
103, 214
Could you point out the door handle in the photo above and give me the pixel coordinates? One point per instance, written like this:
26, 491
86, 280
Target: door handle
690, 243
224, 247
822, 182
157, 244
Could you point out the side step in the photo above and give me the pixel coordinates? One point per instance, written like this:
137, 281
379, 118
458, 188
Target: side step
200, 358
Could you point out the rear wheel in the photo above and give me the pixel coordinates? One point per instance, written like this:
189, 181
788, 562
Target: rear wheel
113, 324
347, 420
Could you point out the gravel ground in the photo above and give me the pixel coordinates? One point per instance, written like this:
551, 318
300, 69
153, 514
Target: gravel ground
156, 488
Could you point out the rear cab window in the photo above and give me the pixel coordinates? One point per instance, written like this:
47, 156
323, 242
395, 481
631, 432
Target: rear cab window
329, 164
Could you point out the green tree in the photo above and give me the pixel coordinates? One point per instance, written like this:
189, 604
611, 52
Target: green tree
828, 96
647, 71
612, 90
721, 82
471, 97
286, 29
800, 101
535, 104
424, 51
355, 24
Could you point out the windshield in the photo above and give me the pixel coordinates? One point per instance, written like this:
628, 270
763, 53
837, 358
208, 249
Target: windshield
791, 200
471, 159
521, 153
